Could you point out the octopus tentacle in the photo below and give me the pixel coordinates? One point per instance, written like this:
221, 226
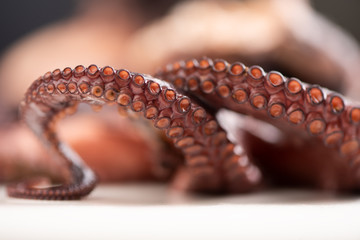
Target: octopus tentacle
207, 151
287, 103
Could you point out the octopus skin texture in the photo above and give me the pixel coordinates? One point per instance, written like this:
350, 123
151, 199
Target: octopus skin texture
182, 101
319, 127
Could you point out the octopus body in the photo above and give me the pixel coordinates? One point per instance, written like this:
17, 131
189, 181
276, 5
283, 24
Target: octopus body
182, 101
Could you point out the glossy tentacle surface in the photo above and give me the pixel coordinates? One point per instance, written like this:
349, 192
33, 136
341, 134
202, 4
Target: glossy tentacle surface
215, 162
308, 111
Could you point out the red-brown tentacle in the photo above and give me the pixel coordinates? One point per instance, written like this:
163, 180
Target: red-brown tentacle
193, 130
287, 103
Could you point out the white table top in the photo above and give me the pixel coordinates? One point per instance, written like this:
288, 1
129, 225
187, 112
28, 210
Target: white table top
151, 211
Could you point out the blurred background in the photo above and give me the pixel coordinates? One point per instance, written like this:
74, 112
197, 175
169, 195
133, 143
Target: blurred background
21, 17
316, 41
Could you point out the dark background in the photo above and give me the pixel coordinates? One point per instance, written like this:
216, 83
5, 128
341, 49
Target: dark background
19, 17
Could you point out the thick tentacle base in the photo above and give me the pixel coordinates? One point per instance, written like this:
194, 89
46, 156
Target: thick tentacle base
215, 163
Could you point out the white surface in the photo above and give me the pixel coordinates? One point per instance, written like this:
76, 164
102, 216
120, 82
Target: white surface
150, 211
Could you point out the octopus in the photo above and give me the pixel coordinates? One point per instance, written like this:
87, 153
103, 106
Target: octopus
319, 128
